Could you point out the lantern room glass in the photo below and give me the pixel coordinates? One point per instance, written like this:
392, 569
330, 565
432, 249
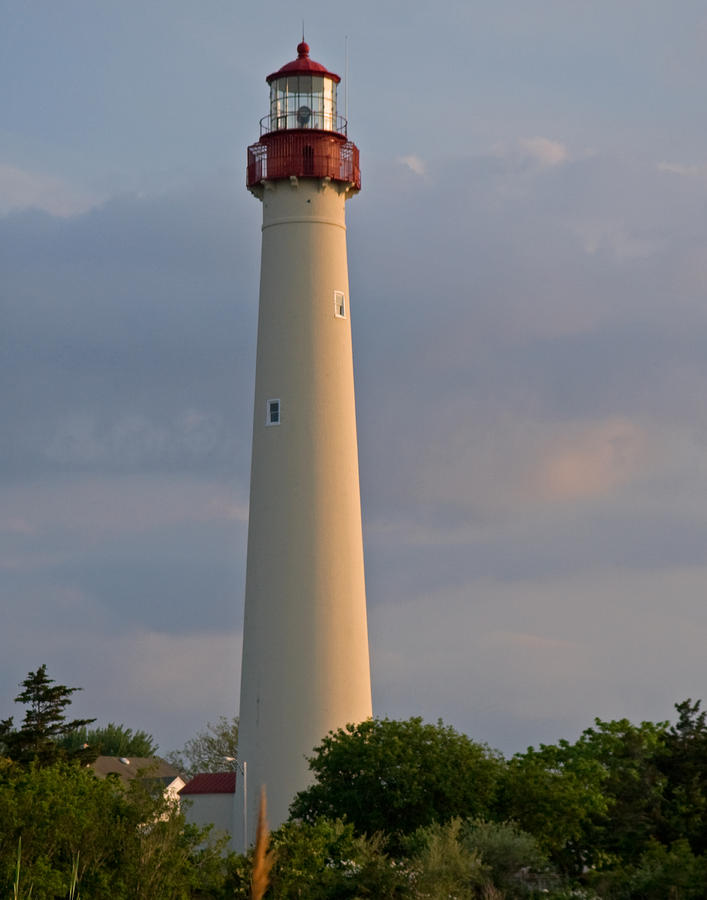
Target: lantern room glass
303, 101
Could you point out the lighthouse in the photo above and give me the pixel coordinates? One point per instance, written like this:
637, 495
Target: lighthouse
305, 667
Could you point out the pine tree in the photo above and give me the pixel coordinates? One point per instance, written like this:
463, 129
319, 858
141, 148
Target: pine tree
44, 722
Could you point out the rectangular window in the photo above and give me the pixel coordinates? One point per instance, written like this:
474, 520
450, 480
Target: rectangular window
340, 304
272, 416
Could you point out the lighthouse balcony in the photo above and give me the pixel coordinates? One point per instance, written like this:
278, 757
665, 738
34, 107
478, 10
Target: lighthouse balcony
303, 153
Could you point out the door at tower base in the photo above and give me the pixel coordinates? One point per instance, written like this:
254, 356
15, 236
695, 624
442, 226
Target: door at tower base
305, 668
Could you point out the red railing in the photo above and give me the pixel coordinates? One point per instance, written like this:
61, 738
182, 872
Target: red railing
304, 154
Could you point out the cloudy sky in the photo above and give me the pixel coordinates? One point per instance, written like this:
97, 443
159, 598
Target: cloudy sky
528, 264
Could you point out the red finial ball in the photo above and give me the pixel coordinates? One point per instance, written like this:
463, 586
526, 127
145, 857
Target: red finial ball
302, 50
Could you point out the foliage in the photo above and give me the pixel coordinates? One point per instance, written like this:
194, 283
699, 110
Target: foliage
44, 723
57, 810
170, 858
211, 750
554, 793
398, 811
111, 740
512, 856
593, 802
632, 783
310, 859
444, 866
375, 874
394, 777
324, 860
619, 809
684, 763
475, 858
670, 872
112, 843
662, 873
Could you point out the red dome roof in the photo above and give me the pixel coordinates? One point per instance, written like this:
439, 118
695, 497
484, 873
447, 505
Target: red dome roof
303, 65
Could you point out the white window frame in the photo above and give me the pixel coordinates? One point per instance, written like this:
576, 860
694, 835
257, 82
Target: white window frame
339, 303
268, 411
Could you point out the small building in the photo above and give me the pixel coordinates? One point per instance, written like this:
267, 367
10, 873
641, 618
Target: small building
149, 768
210, 797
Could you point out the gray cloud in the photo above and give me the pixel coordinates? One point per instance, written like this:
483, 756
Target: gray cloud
529, 334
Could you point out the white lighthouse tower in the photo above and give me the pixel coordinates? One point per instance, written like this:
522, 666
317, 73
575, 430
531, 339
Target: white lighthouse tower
305, 664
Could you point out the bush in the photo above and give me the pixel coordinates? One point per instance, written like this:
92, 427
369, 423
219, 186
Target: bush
126, 844
512, 856
444, 867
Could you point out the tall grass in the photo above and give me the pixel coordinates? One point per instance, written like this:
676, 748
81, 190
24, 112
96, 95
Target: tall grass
16, 882
262, 857
73, 886
18, 869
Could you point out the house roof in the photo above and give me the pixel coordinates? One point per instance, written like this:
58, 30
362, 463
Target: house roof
211, 783
126, 768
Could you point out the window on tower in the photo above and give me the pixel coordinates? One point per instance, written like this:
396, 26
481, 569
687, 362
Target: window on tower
339, 304
272, 416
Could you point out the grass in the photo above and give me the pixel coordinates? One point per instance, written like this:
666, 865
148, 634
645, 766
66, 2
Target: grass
18, 869
262, 857
74, 893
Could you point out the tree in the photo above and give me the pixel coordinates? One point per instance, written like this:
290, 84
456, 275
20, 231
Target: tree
442, 866
512, 856
662, 872
632, 784
324, 860
555, 794
670, 872
212, 750
396, 776
595, 802
683, 761
124, 844
111, 740
44, 722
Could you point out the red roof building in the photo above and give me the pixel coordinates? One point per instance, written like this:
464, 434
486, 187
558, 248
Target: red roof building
208, 800
210, 783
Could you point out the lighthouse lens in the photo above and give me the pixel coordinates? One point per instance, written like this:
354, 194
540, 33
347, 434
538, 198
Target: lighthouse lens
303, 101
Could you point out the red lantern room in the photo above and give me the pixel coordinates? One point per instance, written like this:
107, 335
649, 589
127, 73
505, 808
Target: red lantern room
303, 136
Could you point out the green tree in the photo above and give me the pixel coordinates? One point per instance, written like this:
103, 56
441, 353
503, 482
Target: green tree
632, 784
168, 858
442, 866
475, 858
596, 802
683, 761
555, 793
667, 872
126, 844
394, 777
212, 750
44, 723
661, 873
324, 860
111, 740
512, 856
